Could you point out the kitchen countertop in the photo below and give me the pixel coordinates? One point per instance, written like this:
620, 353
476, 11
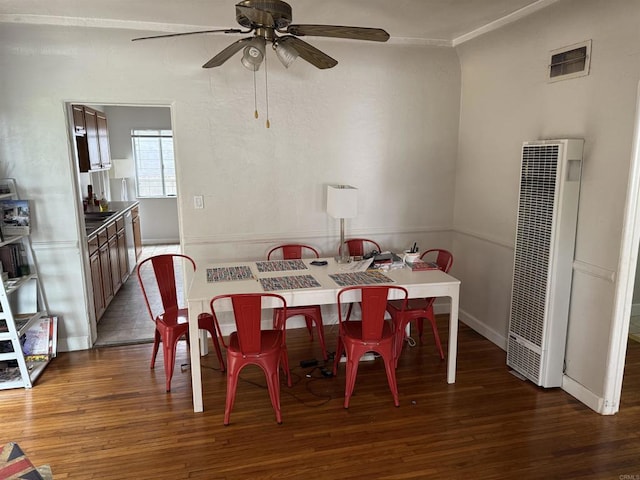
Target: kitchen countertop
95, 223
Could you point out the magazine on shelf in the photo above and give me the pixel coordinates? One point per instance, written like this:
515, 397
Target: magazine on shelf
41, 339
16, 218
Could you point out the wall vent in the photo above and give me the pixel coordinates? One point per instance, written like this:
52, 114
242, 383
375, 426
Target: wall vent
570, 62
543, 260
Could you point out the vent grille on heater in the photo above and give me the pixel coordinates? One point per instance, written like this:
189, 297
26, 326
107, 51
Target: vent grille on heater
543, 259
527, 359
533, 241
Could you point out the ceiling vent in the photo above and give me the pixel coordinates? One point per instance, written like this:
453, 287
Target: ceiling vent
570, 62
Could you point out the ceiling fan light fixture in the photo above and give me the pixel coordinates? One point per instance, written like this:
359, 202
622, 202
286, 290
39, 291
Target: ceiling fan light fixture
285, 53
253, 54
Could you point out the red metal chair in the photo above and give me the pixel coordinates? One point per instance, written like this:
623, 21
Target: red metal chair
358, 246
312, 313
372, 333
172, 321
250, 345
420, 308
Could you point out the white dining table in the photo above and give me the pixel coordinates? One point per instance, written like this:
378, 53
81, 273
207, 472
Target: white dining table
419, 284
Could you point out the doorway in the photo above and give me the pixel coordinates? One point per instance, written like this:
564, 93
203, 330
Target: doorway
158, 215
627, 272
126, 321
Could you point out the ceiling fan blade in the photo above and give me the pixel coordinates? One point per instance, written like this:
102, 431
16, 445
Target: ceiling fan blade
308, 52
255, 16
227, 53
339, 31
225, 30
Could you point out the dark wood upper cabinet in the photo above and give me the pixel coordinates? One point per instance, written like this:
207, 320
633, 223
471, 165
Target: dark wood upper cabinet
92, 138
103, 140
78, 120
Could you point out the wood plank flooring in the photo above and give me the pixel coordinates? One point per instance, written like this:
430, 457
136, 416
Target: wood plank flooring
103, 414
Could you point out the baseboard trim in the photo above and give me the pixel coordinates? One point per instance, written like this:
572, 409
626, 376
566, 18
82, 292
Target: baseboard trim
586, 396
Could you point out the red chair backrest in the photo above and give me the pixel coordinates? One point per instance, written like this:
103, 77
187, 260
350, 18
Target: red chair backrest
444, 258
374, 305
293, 251
165, 277
356, 246
247, 314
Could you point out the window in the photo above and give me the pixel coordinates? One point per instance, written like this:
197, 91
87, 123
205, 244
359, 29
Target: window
570, 62
155, 167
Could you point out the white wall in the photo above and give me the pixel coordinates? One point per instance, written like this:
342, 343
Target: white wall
506, 100
385, 120
158, 216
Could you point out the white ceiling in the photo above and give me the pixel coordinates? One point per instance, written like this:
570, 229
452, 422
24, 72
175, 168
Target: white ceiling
438, 22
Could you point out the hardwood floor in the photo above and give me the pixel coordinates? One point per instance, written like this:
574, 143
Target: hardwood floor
103, 414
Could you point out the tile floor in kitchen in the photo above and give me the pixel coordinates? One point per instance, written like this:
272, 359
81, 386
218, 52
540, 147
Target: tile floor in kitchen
126, 320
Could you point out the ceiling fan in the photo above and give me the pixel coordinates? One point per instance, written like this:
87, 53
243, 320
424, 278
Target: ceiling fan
270, 21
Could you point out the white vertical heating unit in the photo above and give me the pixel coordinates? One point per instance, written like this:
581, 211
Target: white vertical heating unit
543, 261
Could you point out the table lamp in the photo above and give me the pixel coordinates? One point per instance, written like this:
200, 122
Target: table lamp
342, 202
123, 168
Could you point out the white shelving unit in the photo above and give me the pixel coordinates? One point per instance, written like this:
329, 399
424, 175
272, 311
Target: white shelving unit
24, 312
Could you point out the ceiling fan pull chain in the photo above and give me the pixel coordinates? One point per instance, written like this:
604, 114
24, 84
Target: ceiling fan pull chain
266, 89
255, 96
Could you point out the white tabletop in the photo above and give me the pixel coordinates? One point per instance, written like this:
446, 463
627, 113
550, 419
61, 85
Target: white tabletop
429, 283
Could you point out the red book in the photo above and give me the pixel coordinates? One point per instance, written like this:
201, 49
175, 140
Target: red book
420, 265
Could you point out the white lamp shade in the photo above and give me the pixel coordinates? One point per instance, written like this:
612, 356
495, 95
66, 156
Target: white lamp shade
123, 168
342, 201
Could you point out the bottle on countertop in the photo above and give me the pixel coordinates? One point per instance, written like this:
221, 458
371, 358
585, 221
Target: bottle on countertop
104, 206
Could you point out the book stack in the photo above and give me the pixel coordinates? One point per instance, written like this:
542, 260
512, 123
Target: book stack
419, 265
387, 260
14, 261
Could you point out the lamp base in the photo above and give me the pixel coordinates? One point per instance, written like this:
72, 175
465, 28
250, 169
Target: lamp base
340, 259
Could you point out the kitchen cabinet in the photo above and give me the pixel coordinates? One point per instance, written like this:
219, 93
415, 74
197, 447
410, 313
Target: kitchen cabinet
79, 127
108, 258
114, 261
122, 253
137, 235
103, 140
105, 268
93, 147
96, 278
92, 138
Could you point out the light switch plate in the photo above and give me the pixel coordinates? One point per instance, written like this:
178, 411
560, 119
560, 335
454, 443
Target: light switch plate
198, 201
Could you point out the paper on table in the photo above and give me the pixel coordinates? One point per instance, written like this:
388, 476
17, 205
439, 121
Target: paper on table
357, 266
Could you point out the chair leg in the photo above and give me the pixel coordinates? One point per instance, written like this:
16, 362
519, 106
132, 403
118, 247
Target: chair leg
400, 327
336, 360
232, 383
156, 345
391, 378
216, 345
273, 385
346, 319
420, 328
277, 318
432, 319
309, 326
436, 336
169, 349
214, 338
351, 374
317, 319
284, 359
